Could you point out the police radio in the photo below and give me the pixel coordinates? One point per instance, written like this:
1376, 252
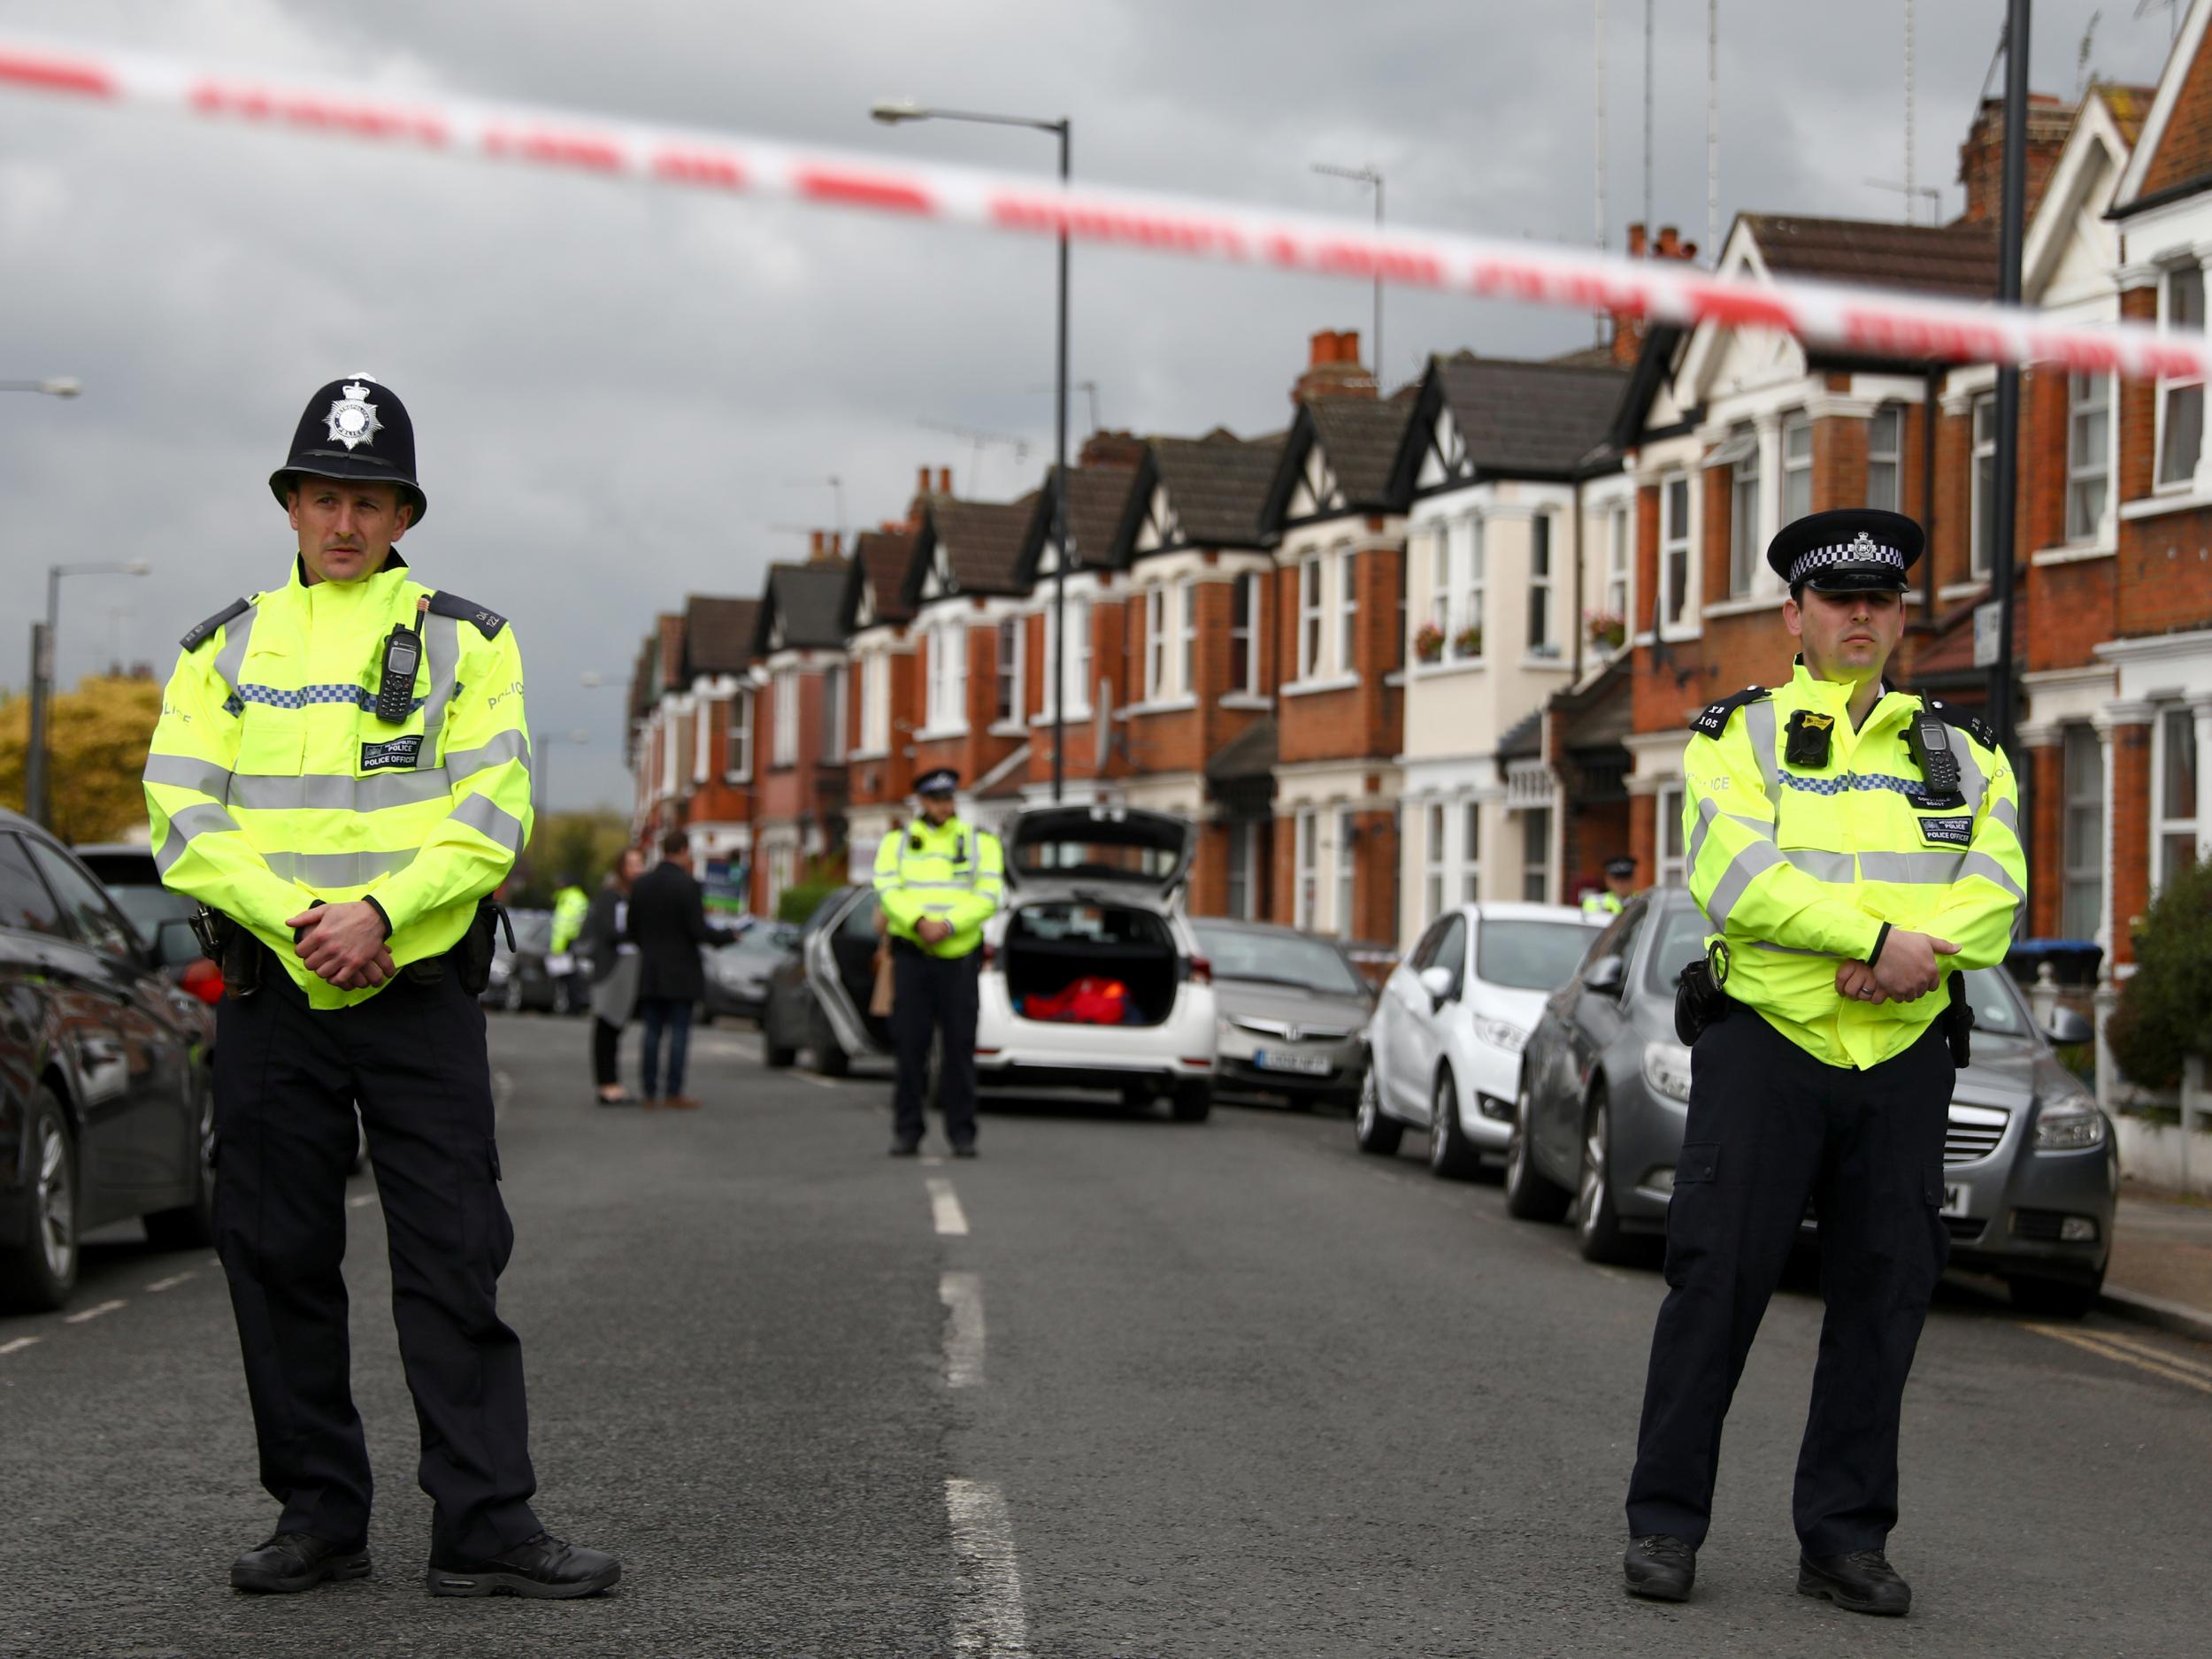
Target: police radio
395, 687
1929, 740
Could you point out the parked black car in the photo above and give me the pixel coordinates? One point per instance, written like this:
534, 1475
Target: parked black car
107, 1100
134, 881
2030, 1172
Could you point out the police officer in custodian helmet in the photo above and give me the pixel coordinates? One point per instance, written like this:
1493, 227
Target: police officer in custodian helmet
1855, 848
939, 882
341, 776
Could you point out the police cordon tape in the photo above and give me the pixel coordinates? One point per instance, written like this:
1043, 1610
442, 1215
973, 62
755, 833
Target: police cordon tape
1878, 323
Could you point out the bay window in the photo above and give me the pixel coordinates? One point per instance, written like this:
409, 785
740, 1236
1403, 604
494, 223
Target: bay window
1674, 547
1797, 466
2180, 397
2088, 453
1309, 616
1985, 539
2081, 905
1885, 458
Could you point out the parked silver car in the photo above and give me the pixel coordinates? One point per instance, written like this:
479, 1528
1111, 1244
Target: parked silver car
2031, 1173
1292, 1013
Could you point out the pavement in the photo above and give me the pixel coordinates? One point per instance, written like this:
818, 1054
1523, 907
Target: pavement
1120, 1386
2160, 1271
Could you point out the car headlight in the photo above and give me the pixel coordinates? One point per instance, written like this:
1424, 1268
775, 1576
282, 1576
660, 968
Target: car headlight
1667, 1070
2068, 1123
1500, 1034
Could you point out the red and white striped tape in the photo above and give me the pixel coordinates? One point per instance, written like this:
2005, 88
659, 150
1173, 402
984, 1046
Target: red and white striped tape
1871, 321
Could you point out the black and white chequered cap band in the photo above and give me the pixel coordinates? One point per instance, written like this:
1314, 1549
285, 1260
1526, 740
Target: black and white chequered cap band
1859, 549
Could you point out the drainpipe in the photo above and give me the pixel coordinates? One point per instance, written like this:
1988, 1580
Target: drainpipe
1931, 410
1575, 677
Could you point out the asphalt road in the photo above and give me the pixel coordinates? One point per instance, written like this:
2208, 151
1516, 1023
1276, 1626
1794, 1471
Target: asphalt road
1119, 1387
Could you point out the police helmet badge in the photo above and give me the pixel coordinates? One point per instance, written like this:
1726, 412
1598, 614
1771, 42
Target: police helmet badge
351, 417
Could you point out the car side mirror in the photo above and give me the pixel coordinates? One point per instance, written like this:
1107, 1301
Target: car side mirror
175, 945
1605, 975
1437, 983
2068, 1026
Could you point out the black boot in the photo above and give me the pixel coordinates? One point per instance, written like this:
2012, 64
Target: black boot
291, 1561
1861, 1582
541, 1566
1660, 1566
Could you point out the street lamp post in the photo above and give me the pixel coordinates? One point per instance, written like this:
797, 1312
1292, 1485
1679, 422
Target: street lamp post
35, 804
891, 113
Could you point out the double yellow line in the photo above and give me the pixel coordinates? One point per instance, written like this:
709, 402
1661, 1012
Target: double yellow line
2129, 1350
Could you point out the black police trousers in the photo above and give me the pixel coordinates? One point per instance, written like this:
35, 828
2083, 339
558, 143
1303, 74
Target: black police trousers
286, 1081
933, 993
1770, 1126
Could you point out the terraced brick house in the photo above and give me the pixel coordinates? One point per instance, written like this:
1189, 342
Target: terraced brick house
1336, 632
1194, 728
715, 805
799, 724
883, 676
970, 611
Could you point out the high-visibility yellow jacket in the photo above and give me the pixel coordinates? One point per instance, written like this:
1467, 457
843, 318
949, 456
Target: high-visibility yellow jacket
272, 783
947, 871
1601, 904
570, 906
1799, 866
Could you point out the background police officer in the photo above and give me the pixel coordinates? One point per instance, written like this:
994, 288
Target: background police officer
342, 771
1852, 849
1620, 886
939, 882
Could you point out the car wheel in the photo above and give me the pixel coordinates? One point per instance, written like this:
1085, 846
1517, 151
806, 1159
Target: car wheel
191, 1226
1450, 1156
775, 1052
1192, 1103
38, 1274
1530, 1193
1375, 1133
2055, 1298
1597, 1223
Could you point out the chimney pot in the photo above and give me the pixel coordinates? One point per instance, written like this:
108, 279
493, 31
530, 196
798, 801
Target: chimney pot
1323, 349
814, 544
944, 481
1348, 346
921, 481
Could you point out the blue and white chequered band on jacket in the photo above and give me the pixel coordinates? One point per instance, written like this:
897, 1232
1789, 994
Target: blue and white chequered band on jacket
235, 704
1852, 780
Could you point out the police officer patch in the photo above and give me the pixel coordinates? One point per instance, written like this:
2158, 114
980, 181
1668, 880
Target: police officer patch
398, 752
352, 418
1947, 831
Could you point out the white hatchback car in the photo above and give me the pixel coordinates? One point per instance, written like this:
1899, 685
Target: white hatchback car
1097, 892
1444, 1045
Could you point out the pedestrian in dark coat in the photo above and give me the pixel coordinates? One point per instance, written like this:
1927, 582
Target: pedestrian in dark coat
668, 923
604, 945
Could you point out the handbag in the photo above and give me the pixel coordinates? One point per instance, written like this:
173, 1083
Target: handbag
879, 996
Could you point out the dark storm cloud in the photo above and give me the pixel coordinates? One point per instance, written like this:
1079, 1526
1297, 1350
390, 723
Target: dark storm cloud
618, 390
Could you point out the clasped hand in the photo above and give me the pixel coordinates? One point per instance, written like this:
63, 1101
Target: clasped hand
1907, 970
932, 930
344, 944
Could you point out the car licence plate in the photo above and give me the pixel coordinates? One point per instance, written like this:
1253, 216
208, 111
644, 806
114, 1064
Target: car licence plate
1958, 1198
1304, 1065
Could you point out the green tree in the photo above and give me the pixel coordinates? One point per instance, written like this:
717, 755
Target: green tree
2165, 1011
580, 844
97, 740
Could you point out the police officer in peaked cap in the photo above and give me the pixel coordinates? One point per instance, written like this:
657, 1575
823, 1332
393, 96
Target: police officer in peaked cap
938, 881
1854, 848
341, 776
1620, 885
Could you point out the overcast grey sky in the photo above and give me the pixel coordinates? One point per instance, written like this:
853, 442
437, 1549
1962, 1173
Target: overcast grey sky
618, 390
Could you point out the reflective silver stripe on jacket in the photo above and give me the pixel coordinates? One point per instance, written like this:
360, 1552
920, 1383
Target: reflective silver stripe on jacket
1924, 870
184, 773
1708, 813
336, 869
193, 820
1746, 867
441, 644
2006, 813
1982, 864
485, 815
1759, 725
340, 791
464, 762
1839, 868
231, 660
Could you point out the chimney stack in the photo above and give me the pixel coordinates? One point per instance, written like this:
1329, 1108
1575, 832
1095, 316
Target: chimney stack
1333, 368
1982, 156
1628, 331
921, 481
1112, 449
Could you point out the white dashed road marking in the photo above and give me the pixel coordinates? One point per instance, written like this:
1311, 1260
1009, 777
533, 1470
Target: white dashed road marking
91, 1313
17, 1345
962, 1296
987, 1615
173, 1281
944, 1203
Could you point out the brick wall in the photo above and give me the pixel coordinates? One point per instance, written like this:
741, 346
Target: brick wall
2129, 834
2043, 770
2185, 150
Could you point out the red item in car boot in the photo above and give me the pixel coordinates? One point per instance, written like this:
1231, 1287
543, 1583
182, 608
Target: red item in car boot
1090, 1001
